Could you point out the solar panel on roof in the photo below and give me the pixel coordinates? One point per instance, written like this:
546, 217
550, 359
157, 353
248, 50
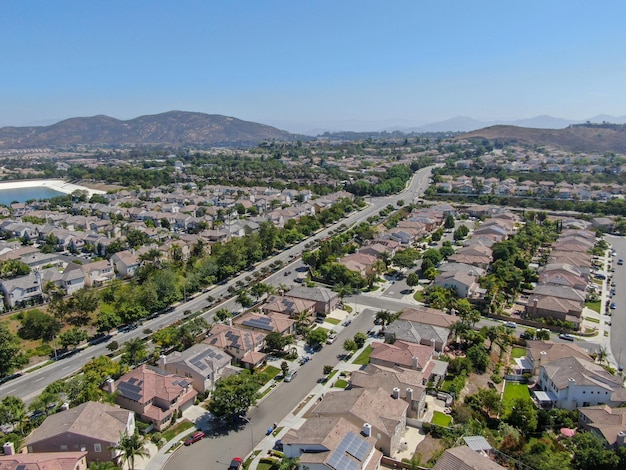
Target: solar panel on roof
130, 391
261, 323
357, 447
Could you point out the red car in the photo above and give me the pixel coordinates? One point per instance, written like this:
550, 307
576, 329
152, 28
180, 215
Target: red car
195, 437
236, 464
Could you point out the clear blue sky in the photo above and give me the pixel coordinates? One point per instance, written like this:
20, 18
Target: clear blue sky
302, 64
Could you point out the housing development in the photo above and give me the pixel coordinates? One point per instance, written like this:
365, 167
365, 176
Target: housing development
348, 302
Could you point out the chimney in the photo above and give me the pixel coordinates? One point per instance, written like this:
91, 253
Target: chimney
621, 438
571, 382
534, 308
230, 322
367, 429
162, 361
109, 385
409, 395
415, 363
9, 448
396, 393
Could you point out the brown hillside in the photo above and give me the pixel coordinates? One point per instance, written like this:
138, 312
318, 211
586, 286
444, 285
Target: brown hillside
580, 138
173, 128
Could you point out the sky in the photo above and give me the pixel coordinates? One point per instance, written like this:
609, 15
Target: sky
323, 64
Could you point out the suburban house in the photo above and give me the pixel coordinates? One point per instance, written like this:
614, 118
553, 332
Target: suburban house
463, 284
154, 394
331, 443
293, 307
98, 273
562, 274
22, 289
126, 263
325, 299
572, 382
243, 344
407, 384
607, 423
43, 461
268, 323
540, 306
360, 262
385, 414
543, 352
464, 458
73, 430
423, 325
201, 363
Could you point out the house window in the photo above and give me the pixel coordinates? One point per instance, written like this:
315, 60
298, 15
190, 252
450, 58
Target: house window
97, 448
63, 447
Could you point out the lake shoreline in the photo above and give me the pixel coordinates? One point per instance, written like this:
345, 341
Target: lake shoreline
56, 185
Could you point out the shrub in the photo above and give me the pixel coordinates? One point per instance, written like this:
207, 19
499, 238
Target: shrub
426, 427
496, 378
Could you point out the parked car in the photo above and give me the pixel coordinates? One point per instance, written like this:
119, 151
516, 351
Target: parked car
510, 324
195, 437
620, 261
290, 376
236, 464
566, 337
613, 306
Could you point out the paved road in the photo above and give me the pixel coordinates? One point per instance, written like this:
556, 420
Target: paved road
216, 451
618, 318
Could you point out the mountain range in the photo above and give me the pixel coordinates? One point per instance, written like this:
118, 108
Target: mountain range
173, 128
181, 128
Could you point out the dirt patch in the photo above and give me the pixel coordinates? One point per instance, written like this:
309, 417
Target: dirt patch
477, 381
427, 448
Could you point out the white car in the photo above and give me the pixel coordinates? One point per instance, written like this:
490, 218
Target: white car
510, 324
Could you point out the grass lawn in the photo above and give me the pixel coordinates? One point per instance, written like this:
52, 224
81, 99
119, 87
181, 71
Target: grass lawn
513, 391
175, 430
595, 306
441, 419
516, 353
364, 357
333, 321
341, 383
419, 296
591, 319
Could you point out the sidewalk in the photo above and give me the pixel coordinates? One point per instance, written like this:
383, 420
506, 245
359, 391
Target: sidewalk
295, 419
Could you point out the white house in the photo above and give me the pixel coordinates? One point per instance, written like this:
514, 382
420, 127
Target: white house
572, 382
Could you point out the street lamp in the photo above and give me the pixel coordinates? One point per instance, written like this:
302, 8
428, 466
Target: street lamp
247, 420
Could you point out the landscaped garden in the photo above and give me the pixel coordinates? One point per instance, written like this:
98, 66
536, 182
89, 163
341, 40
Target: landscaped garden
364, 357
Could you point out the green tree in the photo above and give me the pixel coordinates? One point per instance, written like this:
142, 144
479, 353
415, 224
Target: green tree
73, 337
590, 453
360, 338
523, 415
12, 410
412, 280
350, 345
135, 351
222, 314
107, 320
39, 325
130, 447
244, 300
284, 367
384, 317
233, 395
479, 357
448, 222
274, 341
317, 336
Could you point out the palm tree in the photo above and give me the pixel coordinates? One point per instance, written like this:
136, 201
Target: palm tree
289, 463
385, 317
131, 446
